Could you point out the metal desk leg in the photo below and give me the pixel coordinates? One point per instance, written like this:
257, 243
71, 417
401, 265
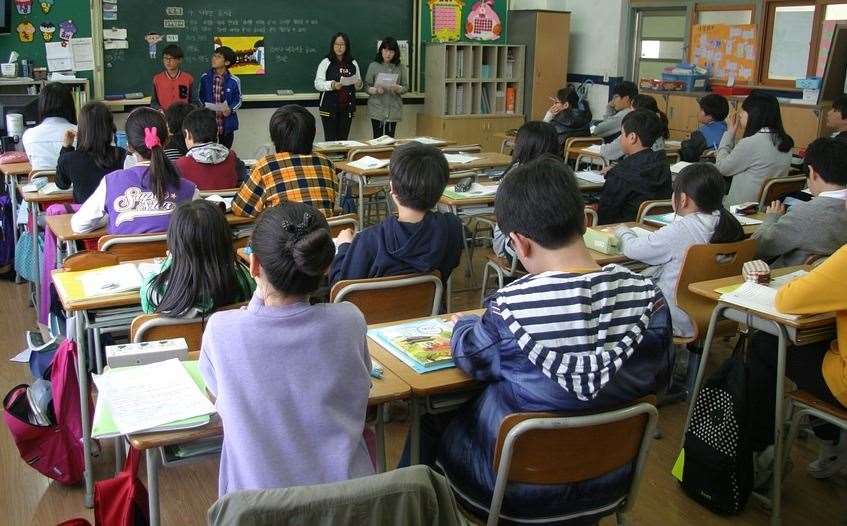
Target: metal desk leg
414, 432
152, 455
707, 347
85, 418
36, 257
12, 185
380, 439
360, 180
778, 436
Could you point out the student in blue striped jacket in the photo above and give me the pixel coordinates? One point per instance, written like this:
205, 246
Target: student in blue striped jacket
570, 336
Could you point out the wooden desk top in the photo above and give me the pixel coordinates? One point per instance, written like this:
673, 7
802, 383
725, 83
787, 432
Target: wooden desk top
15, 169
484, 160
55, 197
60, 225
669, 148
607, 259
344, 149
707, 290
749, 230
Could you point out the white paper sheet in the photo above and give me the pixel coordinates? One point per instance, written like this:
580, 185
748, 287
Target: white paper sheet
427, 140
226, 201
115, 44
22, 357
114, 33
339, 144
111, 280
382, 141
59, 57
591, 176
594, 148
83, 54
349, 81
677, 167
756, 297
147, 396
386, 80
369, 163
459, 158
217, 106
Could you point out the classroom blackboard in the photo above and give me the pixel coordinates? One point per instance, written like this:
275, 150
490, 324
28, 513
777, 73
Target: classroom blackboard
296, 37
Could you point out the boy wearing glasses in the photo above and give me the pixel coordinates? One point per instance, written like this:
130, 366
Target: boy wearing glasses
172, 84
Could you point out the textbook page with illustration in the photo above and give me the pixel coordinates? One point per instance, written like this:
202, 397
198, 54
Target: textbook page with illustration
423, 345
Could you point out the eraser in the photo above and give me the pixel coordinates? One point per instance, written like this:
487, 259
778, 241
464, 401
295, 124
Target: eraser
284, 92
135, 95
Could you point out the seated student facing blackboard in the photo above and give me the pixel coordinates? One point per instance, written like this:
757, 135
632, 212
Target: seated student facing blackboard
56, 111
714, 109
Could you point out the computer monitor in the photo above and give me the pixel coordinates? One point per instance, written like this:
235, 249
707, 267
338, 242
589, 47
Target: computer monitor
26, 105
5, 17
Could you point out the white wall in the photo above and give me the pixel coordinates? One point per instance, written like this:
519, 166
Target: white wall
596, 32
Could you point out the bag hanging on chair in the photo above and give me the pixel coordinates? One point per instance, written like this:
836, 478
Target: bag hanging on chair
122, 500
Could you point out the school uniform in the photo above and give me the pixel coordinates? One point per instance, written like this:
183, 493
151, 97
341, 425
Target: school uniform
816, 227
612, 151
706, 137
43, 143
385, 110
394, 247
543, 321
840, 136
572, 122
216, 88
124, 203
291, 386
210, 166
665, 250
78, 170
336, 107
610, 127
168, 90
750, 162
642, 176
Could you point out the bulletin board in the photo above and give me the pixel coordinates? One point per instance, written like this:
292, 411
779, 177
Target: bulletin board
728, 51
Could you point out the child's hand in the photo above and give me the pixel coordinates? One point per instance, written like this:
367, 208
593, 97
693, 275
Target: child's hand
226, 111
69, 138
336, 85
775, 207
359, 84
345, 236
556, 108
397, 88
379, 90
606, 169
732, 124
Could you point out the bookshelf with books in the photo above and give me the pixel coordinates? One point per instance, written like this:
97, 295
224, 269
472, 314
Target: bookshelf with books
467, 89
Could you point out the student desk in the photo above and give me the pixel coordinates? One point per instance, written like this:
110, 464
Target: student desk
749, 230
672, 150
378, 176
801, 331
11, 173
431, 392
337, 147
383, 390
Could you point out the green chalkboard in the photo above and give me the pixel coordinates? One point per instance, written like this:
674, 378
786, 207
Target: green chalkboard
296, 36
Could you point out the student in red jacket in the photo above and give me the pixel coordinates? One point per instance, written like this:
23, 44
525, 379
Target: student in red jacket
208, 164
172, 84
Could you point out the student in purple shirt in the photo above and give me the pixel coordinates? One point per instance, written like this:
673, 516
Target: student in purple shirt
290, 380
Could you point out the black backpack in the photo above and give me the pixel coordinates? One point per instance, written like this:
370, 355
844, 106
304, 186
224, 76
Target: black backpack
718, 469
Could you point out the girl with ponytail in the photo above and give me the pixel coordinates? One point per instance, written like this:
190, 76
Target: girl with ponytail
700, 218
309, 363
140, 199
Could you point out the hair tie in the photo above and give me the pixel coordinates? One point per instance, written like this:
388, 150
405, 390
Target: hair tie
151, 138
299, 230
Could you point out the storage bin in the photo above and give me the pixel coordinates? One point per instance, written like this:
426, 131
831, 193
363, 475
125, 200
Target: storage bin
692, 82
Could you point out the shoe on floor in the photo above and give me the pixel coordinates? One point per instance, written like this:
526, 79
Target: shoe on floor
831, 459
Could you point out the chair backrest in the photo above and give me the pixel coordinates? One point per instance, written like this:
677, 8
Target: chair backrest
392, 298
590, 216
339, 223
662, 206
375, 152
49, 174
136, 246
580, 142
465, 148
775, 187
704, 263
549, 448
89, 259
223, 192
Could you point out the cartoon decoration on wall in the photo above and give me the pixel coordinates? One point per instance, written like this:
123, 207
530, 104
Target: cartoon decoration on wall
446, 19
483, 22
47, 30
153, 40
67, 30
47, 5
26, 31
24, 7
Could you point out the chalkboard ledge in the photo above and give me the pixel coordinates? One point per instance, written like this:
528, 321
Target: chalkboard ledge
258, 100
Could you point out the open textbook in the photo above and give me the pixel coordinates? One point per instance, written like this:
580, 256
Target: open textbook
423, 345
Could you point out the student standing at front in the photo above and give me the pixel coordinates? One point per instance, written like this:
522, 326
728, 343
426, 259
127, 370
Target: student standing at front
219, 86
172, 84
338, 101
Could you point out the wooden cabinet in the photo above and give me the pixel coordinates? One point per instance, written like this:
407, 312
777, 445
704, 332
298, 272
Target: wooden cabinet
682, 114
803, 124
469, 130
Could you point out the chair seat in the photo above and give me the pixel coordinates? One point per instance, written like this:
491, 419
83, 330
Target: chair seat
503, 263
369, 191
806, 398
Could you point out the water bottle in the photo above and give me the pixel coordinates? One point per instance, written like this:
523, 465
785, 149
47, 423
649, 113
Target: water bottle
120, 139
25, 69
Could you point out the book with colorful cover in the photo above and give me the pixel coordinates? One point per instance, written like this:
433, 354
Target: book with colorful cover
423, 345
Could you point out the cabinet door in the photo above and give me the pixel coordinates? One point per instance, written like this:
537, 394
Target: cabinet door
682, 113
802, 124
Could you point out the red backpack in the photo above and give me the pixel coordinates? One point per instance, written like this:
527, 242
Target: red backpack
53, 450
122, 500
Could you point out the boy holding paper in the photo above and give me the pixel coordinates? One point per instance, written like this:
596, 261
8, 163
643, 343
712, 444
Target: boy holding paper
220, 91
386, 81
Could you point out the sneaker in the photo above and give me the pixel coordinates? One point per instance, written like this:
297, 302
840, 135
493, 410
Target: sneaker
831, 459
763, 470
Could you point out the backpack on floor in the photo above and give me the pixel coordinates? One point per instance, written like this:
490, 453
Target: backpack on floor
53, 448
122, 500
7, 232
717, 455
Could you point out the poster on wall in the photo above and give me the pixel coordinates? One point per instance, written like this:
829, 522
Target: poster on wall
458, 20
727, 51
249, 53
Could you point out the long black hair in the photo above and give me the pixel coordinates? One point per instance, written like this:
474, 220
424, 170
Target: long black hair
95, 133
763, 112
704, 184
647, 102
202, 271
55, 100
347, 57
389, 43
294, 247
534, 139
162, 174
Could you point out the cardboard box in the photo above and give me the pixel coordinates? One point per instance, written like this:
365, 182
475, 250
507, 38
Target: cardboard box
143, 353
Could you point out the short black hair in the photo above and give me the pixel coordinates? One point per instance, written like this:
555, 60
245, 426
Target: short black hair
569, 95
643, 123
391, 44
418, 174
202, 125
840, 104
829, 159
542, 201
625, 89
227, 53
173, 51
292, 129
55, 100
714, 105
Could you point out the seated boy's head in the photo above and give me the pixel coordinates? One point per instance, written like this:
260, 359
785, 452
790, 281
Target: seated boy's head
639, 130
200, 127
713, 107
534, 139
172, 58
292, 249
539, 205
175, 115
622, 95
568, 96
292, 130
836, 117
826, 159
418, 174
223, 57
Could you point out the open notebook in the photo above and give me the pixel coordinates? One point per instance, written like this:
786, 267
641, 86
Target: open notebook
761, 298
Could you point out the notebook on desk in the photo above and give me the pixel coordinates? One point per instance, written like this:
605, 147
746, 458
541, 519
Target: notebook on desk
761, 298
423, 345
103, 281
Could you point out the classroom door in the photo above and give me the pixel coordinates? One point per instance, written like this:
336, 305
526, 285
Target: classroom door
659, 41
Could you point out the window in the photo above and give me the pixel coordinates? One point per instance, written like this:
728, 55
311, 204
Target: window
732, 15
660, 40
